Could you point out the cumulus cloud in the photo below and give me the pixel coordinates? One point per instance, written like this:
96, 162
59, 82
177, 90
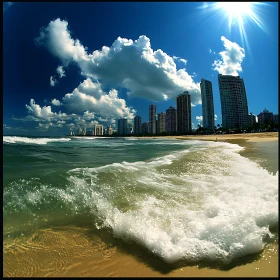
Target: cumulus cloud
231, 58
60, 71
215, 117
133, 65
53, 81
56, 102
199, 118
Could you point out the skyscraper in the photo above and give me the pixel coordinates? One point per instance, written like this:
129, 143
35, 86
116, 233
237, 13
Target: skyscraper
137, 125
152, 119
161, 122
122, 126
233, 102
171, 120
184, 118
207, 104
98, 129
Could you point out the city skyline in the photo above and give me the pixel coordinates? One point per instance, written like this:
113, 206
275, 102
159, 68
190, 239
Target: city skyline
65, 72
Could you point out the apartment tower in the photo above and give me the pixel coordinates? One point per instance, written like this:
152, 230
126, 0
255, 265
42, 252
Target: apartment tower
184, 119
137, 125
122, 126
207, 104
171, 120
233, 102
152, 119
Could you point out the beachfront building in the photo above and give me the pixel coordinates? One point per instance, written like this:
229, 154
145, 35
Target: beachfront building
207, 104
122, 126
145, 128
90, 132
171, 120
129, 128
251, 120
98, 130
275, 118
82, 132
137, 125
161, 123
184, 119
265, 118
233, 102
152, 119
109, 130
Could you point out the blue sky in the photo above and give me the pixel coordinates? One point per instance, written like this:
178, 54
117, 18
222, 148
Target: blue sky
77, 64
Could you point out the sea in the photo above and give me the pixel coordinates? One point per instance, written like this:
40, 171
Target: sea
179, 199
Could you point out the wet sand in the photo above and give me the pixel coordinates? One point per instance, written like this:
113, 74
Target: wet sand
82, 252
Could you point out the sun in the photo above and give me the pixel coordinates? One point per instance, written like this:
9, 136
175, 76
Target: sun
236, 10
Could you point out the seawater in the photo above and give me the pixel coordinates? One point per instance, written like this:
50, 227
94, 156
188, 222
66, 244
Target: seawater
180, 199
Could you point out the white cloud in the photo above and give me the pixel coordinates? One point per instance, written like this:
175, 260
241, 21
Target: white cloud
133, 65
199, 118
231, 58
56, 102
183, 60
215, 117
60, 71
53, 81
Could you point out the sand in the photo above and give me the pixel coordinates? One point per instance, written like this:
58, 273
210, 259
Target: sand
79, 252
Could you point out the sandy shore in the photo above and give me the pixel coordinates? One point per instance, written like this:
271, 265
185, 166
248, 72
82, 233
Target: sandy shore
79, 252
251, 137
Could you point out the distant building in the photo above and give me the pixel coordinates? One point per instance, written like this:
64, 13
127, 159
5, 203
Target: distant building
137, 125
275, 118
129, 128
145, 128
152, 119
98, 130
122, 126
265, 117
233, 102
109, 130
90, 132
184, 118
252, 120
171, 120
207, 104
80, 131
161, 126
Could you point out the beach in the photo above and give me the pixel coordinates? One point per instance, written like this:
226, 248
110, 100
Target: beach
78, 251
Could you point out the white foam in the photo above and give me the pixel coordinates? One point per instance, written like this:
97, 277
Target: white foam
38, 141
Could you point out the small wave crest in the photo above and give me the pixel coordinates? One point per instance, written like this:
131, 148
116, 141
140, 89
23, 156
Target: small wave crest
27, 140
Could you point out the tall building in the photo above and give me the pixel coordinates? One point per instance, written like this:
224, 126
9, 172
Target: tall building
275, 118
171, 120
129, 128
98, 130
145, 128
80, 131
137, 125
161, 126
251, 119
109, 130
207, 104
184, 118
152, 119
233, 102
265, 117
122, 126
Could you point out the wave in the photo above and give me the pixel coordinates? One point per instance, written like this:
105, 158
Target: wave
206, 202
27, 140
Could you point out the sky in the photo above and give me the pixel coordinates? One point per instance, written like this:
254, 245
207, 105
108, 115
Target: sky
70, 65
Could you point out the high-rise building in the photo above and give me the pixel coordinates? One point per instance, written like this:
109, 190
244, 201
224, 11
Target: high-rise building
161, 126
265, 117
122, 126
233, 102
152, 119
184, 118
80, 131
207, 104
137, 125
275, 118
129, 128
98, 129
251, 119
171, 120
145, 128
109, 130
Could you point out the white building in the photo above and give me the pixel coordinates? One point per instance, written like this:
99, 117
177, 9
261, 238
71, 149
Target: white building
233, 102
207, 104
98, 130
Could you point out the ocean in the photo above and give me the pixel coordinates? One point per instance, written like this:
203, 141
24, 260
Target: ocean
185, 200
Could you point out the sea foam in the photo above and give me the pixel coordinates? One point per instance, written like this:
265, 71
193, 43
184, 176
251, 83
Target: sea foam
38, 141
